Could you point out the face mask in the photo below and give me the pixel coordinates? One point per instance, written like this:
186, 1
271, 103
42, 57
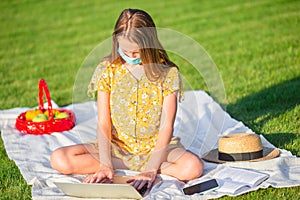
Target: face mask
132, 61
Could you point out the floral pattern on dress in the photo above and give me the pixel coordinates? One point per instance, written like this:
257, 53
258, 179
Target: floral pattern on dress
136, 107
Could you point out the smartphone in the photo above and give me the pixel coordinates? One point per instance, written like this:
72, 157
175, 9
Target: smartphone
202, 187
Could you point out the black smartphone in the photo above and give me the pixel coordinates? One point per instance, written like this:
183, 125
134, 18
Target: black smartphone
202, 187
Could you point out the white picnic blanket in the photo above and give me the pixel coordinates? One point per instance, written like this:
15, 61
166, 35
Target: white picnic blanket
199, 122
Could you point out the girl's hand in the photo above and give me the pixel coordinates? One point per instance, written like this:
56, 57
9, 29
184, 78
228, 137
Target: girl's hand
102, 175
142, 179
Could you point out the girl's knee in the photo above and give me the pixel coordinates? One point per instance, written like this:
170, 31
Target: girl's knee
59, 161
193, 168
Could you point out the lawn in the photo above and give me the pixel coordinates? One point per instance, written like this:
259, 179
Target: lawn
254, 44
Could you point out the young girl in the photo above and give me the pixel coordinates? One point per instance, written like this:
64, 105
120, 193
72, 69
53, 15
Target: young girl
137, 88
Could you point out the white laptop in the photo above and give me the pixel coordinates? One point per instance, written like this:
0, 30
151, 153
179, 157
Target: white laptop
99, 190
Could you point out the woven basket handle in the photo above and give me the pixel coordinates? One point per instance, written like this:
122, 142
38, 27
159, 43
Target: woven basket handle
43, 87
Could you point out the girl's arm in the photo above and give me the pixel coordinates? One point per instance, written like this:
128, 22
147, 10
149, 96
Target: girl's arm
104, 140
104, 129
165, 133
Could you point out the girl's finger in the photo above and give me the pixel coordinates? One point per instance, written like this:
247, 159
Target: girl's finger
130, 180
136, 184
86, 180
95, 178
105, 180
149, 184
142, 183
100, 178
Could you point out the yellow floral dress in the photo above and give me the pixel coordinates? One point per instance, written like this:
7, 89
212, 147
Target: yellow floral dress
136, 107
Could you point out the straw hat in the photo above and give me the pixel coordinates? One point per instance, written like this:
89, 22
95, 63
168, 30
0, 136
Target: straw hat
240, 147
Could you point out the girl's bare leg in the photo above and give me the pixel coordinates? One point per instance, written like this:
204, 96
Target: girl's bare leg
182, 165
79, 159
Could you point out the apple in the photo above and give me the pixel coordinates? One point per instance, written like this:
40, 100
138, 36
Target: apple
61, 115
40, 118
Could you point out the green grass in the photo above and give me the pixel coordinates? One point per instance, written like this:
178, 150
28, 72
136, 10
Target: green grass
255, 45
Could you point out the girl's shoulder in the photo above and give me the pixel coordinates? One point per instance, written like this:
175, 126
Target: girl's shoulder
172, 72
106, 63
173, 69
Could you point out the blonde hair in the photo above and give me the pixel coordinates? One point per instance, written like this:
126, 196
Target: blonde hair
137, 26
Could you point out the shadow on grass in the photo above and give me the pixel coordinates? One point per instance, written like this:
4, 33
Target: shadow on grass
256, 109
285, 141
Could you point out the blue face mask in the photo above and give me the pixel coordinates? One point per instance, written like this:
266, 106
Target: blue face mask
132, 61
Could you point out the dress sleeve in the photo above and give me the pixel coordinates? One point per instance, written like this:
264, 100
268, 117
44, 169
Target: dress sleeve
172, 82
100, 80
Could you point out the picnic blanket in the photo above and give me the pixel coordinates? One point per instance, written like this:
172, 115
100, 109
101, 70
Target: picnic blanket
199, 123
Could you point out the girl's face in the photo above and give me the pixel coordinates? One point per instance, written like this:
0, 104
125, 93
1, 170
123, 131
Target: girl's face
129, 48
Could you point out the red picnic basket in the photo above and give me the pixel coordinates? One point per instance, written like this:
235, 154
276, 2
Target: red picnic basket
51, 123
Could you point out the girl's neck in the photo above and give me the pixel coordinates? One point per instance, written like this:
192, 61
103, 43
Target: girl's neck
137, 71
132, 67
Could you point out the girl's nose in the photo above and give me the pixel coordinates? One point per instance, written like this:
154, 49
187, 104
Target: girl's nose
132, 54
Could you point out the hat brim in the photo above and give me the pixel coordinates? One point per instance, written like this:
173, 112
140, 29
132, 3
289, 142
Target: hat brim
268, 153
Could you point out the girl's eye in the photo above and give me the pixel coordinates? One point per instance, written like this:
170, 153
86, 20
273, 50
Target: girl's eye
133, 52
126, 51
